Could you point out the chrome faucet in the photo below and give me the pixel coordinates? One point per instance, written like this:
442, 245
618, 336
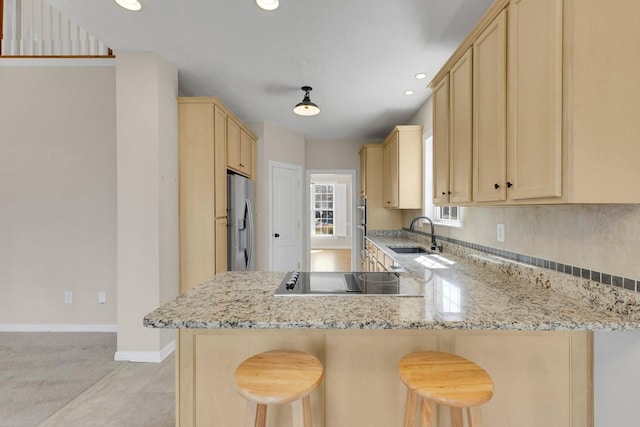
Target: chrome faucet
434, 244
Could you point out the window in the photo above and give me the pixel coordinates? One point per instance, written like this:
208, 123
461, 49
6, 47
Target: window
322, 204
451, 215
443, 215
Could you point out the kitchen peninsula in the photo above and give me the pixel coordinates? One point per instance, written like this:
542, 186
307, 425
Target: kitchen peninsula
534, 341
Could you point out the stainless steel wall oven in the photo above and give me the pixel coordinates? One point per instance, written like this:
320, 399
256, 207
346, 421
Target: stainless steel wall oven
362, 225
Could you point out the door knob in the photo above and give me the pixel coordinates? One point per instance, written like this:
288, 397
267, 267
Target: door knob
496, 186
509, 185
276, 235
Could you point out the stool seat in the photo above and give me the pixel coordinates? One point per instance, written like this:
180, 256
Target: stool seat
277, 377
441, 378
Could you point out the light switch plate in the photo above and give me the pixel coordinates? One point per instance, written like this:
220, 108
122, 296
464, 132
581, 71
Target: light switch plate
68, 297
500, 233
102, 297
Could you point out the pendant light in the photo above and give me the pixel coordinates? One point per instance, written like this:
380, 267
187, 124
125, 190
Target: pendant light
306, 107
268, 4
132, 5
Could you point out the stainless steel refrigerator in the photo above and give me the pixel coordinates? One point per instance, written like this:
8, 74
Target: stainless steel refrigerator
240, 224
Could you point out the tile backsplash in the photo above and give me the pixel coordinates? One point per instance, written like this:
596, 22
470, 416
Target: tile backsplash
585, 273
587, 241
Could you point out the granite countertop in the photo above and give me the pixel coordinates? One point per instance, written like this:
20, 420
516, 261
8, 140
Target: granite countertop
459, 293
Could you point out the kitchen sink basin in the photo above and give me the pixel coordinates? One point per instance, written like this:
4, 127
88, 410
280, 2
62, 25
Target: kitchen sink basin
409, 250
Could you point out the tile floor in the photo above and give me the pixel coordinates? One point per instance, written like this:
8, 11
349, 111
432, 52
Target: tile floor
132, 395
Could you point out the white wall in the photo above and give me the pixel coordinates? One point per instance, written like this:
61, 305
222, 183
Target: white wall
57, 192
274, 144
147, 249
329, 154
616, 378
424, 117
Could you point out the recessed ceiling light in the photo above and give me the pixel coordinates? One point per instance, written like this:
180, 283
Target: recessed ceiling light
421, 75
268, 4
408, 92
133, 5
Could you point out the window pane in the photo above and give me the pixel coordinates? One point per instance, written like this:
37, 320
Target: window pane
322, 196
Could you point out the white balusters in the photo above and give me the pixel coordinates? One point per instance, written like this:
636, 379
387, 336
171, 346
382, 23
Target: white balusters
10, 27
33, 28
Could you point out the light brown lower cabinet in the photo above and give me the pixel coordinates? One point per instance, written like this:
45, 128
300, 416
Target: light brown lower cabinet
541, 378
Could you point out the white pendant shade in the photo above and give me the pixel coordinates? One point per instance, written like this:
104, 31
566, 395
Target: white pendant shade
306, 110
268, 4
133, 5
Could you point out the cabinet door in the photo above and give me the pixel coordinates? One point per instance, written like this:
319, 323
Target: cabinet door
196, 181
390, 171
245, 153
489, 106
220, 147
363, 172
221, 245
254, 160
441, 142
233, 145
535, 99
366, 366
552, 369
460, 142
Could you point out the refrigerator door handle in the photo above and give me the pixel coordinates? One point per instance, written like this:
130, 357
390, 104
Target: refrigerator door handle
249, 221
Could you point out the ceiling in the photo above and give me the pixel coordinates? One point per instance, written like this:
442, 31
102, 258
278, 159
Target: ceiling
360, 56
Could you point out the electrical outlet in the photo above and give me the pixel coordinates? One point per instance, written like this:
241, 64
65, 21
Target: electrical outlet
500, 233
68, 297
102, 297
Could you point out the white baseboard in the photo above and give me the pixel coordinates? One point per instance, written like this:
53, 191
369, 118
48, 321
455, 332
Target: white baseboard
57, 328
145, 356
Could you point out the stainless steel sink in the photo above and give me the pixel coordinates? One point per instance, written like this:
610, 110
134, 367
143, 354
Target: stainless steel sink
409, 250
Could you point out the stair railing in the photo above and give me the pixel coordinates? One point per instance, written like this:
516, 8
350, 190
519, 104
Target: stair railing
34, 28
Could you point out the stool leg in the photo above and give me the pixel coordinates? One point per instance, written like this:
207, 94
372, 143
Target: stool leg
256, 415
302, 412
456, 417
427, 410
473, 416
410, 410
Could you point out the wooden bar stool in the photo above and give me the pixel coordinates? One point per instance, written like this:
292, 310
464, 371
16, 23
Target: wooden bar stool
277, 377
440, 378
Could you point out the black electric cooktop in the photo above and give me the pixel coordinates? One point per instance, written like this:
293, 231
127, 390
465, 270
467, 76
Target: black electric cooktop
298, 283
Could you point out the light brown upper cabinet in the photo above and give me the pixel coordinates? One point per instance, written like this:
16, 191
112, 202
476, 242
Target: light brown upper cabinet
363, 172
371, 188
566, 88
203, 129
490, 112
441, 103
452, 131
220, 144
402, 162
535, 100
460, 141
239, 149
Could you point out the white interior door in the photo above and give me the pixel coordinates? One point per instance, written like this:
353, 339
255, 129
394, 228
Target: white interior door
285, 227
